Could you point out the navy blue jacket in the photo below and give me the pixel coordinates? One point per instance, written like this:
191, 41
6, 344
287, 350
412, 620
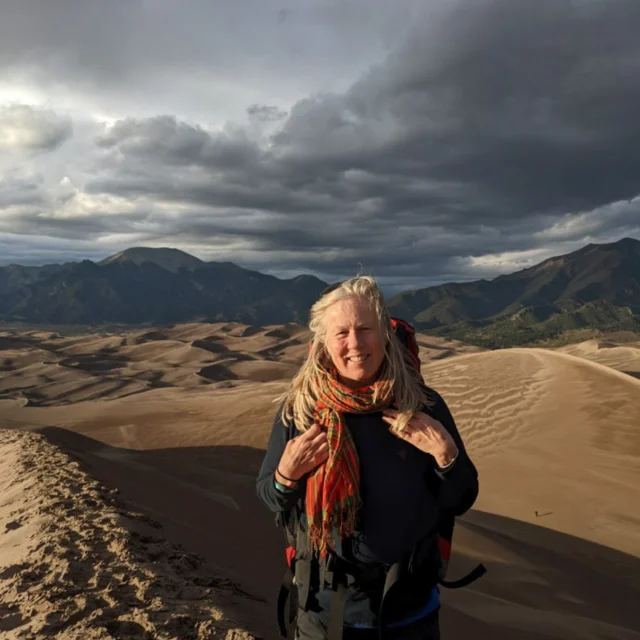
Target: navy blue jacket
401, 488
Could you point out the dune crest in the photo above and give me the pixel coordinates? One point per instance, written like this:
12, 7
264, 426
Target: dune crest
622, 356
77, 563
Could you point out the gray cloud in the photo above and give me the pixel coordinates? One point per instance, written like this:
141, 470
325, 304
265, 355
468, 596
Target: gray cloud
23, 128
499, 133
207, 61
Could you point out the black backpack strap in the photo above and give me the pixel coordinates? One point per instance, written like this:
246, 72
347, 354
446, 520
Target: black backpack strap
296, 583
446, 527
288, 589
393, 577
287, 593
465, 581
334, 576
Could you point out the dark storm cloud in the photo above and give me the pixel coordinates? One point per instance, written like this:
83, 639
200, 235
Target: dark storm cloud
503, 128
173, 142
530, 105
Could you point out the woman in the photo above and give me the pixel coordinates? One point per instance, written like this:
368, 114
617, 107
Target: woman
367, 456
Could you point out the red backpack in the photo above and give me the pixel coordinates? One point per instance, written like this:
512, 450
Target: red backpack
296, 547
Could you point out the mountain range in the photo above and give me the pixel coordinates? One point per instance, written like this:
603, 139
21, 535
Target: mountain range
152, 286
596, 288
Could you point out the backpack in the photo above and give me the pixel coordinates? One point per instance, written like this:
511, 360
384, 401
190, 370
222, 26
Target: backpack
297, 553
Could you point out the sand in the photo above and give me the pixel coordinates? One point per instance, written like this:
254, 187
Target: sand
77, 562
177, 420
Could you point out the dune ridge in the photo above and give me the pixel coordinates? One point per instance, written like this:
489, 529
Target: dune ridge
77, 562
623, 357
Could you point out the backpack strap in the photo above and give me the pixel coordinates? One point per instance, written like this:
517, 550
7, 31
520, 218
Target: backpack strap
287, 587
296, 562
446, 526
395, 574
287, 593
333, 576
296, 583
465, 581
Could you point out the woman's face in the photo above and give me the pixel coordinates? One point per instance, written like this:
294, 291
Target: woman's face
355, 341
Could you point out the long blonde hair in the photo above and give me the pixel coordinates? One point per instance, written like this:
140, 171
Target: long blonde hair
410, 394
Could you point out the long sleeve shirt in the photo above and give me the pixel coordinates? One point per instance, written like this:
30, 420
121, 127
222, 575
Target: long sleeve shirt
401, 489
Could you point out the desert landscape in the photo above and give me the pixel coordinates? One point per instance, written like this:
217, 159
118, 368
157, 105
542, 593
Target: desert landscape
128, 461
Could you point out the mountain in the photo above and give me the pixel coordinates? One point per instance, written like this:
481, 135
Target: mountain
152, 286
596, 287
170, 259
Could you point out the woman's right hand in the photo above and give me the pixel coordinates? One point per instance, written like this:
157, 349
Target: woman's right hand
302, 454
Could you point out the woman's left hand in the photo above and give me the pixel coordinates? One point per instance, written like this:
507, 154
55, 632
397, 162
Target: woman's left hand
426, 434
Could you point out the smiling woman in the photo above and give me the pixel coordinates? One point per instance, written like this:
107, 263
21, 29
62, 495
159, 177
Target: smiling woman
362, 460
354, 341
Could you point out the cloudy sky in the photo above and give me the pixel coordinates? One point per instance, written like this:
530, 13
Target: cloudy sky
421, 141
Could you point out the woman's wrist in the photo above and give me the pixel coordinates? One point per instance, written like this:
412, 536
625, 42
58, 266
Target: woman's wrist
281, 488
285, 480
447, 460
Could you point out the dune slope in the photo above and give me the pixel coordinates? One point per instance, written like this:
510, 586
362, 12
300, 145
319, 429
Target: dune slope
77, 562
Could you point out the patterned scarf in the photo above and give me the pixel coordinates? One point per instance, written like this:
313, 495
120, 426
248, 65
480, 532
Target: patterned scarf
333, 490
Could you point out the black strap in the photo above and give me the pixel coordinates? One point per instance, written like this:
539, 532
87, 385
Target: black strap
289, 589
293, 604
465, 581
393, 577
284, 595
303, 571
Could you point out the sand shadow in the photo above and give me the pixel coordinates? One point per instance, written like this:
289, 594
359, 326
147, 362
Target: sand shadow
185, 488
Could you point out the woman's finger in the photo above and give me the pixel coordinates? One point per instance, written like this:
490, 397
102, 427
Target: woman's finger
312, 431
321, 437
405, 435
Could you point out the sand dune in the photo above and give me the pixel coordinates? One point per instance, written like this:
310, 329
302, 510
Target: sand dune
623, 357
48, 369
77, 563
554, 434
527, 410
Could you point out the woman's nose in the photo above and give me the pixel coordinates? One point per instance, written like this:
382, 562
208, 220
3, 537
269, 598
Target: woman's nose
353, 339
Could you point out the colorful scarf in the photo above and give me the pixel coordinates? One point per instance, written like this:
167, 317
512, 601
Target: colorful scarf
333, 489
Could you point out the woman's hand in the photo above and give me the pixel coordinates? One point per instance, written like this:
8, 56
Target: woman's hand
302, 454
426, 434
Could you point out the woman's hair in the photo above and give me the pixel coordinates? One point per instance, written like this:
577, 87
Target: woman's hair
409, 392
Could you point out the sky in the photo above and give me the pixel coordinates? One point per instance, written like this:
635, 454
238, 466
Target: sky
418, 141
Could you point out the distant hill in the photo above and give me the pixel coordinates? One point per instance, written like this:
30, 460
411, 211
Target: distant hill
596, 287
152, 286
